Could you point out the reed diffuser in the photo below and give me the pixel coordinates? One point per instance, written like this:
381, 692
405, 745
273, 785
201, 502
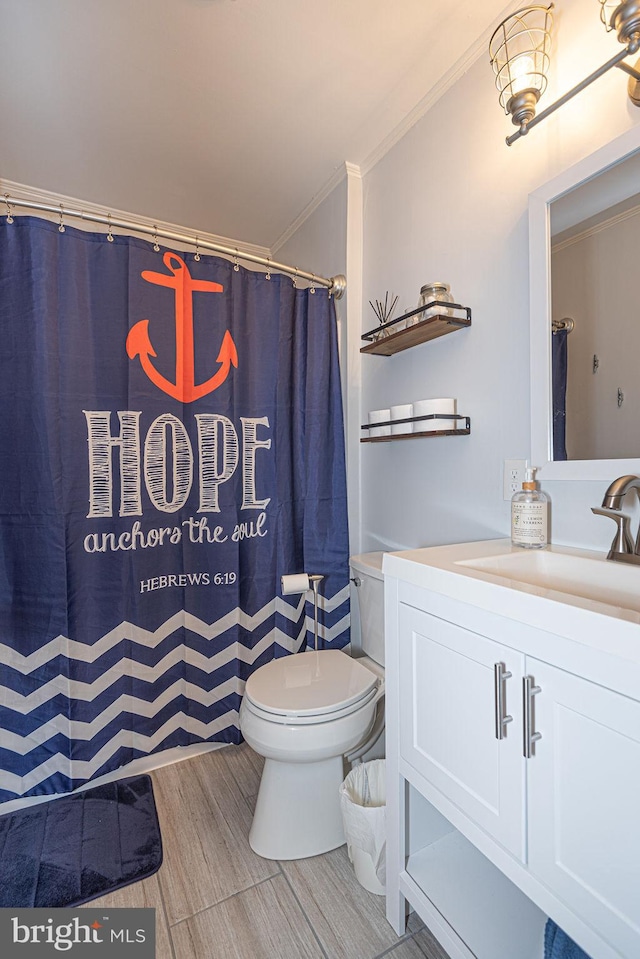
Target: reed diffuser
384, 312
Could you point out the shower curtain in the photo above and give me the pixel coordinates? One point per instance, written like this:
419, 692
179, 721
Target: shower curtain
559, 347
171, 444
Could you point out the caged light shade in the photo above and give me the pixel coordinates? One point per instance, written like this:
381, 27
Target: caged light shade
519, 51
623, 17
606, 11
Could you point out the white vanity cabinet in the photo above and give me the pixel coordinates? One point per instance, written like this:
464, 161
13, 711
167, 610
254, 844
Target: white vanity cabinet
513, 760
448, 714
583, 801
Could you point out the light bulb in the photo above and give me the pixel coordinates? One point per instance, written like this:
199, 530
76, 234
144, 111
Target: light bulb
522, 70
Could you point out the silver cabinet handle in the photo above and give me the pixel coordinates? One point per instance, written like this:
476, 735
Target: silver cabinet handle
500, 675
530, 737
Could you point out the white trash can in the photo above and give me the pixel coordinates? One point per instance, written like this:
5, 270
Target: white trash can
363, 803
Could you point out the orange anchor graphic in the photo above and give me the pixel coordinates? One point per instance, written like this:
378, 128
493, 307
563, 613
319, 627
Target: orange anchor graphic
138, 342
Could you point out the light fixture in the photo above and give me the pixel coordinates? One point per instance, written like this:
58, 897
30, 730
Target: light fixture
606, 9
624, 18
520, 52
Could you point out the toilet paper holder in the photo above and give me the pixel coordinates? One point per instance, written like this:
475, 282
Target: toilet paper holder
300, 583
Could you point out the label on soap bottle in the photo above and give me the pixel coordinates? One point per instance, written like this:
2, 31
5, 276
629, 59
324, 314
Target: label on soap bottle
529, 524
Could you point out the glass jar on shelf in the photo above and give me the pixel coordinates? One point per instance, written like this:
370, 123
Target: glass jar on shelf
432, 293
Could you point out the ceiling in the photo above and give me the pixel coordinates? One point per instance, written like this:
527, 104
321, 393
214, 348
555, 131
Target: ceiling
227, 116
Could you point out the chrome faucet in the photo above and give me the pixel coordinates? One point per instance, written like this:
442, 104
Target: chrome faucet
622, 548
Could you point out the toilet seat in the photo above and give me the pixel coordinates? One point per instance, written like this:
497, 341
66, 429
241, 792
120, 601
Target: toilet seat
311, 719
310, 688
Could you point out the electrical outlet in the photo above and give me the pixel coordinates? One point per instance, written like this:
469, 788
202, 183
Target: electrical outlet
513, 477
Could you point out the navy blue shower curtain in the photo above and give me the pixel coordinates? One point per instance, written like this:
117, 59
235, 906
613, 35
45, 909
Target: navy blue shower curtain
171, 443
559, 346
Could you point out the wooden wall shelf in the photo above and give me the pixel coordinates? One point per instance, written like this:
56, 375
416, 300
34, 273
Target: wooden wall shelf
464, 430
427, 329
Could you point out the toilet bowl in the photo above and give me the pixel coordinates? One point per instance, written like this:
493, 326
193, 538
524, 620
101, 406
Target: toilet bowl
304, 713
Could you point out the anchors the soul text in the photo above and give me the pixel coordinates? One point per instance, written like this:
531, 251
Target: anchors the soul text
195, 530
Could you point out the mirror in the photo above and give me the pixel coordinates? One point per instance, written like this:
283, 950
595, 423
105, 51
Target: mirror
584, 231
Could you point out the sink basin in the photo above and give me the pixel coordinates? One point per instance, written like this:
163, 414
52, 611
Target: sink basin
577, 594
591, 577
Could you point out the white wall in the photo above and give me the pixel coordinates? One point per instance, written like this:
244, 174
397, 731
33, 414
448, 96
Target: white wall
449, 202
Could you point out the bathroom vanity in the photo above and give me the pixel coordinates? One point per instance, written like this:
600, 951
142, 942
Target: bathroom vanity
513, 748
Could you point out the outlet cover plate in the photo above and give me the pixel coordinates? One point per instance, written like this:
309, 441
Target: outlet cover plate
513, 477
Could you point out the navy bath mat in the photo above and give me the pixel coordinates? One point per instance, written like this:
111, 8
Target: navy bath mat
75, 848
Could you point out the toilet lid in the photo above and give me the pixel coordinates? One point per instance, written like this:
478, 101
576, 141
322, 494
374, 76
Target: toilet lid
308, 684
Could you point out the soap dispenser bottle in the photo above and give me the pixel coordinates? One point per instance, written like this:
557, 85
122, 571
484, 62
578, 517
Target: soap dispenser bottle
530, 514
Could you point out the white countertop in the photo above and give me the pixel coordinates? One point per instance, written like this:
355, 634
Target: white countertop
568, 606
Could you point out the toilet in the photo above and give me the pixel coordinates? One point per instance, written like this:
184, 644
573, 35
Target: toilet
304, 713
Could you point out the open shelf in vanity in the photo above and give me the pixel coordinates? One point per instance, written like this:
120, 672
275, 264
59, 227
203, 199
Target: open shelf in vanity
462, 896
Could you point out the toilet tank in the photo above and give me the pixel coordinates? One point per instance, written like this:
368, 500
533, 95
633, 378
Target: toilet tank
367, 567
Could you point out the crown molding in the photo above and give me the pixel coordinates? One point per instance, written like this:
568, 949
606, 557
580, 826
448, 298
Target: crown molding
334, 180
597, 228
22, 191
473, 53
353, 170
347, 170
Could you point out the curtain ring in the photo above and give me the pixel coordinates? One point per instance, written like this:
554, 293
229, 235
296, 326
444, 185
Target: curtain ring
312, 288
156, 245
197, 253
109, 233
268, 273
295, 277
61, 227
236, 267
6, 200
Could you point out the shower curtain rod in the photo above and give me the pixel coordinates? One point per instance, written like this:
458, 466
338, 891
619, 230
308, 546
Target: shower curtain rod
564, 325
335, 284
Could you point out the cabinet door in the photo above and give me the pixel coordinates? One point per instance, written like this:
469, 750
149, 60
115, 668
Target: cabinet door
448, 721
584, 802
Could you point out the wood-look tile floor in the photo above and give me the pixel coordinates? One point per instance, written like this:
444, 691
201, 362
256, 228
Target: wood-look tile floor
215, 899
